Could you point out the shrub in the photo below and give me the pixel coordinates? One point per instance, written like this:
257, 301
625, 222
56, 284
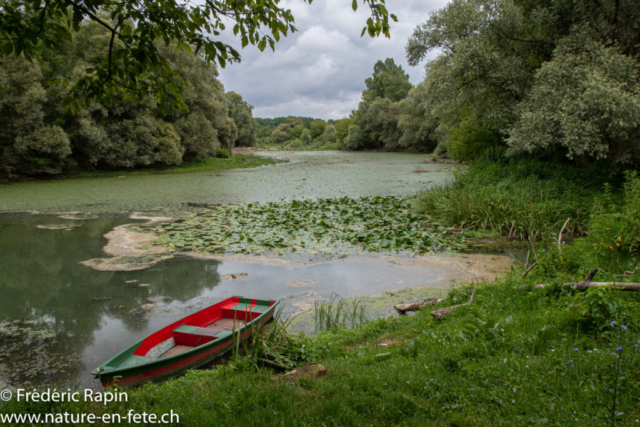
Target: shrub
469, 141
223, 153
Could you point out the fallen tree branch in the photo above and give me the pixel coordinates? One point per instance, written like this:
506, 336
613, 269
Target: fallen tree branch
439, 314
582, 286
587, 283
614, 285
529, 269
560, 235
403, 308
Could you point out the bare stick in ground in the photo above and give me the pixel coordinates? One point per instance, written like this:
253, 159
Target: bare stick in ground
403, 308
529, 269
560, 235
533, 248
439, 314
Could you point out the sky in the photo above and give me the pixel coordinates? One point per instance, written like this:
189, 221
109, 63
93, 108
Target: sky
319, 71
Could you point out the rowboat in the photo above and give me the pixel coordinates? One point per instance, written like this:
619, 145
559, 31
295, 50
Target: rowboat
187, 343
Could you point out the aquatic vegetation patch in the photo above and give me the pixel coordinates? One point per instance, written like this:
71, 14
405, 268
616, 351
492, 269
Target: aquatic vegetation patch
26, 354
312, 226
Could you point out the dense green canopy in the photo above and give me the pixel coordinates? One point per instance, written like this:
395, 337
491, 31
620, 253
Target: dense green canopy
38, 136
541, 76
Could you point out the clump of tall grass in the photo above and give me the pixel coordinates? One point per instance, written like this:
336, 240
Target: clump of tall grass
335, 313
272, 346
517, 198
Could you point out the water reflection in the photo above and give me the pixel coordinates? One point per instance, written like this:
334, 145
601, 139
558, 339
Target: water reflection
52, 308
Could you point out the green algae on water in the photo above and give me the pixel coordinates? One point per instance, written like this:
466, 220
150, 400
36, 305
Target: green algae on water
334, 225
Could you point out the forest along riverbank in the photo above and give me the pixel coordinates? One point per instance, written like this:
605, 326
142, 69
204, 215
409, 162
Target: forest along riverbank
67, 317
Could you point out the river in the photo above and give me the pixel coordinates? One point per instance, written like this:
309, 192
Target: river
59, 319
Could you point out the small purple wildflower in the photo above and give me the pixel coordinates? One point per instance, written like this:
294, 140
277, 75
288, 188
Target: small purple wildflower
613, 323
635, 346
571, 361
623, 327
575, 349
619, 348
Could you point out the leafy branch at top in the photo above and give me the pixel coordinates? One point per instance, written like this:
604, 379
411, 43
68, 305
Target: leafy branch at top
132, 68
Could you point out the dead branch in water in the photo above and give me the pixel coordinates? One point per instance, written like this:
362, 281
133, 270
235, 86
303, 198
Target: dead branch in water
439, 314
403, 308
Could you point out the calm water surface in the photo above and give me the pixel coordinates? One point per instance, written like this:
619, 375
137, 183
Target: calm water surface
60, 319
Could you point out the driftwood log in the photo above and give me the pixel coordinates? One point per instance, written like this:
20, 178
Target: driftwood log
439, 314
403, 308
587, 283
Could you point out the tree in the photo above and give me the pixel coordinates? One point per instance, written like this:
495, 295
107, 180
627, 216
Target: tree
317, 128
389, 81
379, 124
355, 139
543, 76
27, 143
38, 137
296, 132
342, 129
418, 126
585, 101
329, 134
132, 66
241, 113
305, 136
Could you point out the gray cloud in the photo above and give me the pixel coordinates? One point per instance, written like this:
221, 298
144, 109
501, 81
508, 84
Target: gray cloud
319, 71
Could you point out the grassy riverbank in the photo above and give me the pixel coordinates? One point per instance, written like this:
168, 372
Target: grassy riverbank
518, 355
212, 164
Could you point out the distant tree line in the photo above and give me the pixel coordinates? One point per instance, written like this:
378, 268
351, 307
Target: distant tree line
298, 132
38, 136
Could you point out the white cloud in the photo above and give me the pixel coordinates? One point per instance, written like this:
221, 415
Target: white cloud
319, 71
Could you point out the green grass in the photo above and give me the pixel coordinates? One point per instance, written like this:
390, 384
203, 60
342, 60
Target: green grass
519, 197
211, 164
335, 312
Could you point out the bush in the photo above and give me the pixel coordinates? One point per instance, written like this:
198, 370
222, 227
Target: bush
223, 153
613, 240
468, 141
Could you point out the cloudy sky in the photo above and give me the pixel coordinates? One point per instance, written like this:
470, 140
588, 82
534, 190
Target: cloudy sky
319, 71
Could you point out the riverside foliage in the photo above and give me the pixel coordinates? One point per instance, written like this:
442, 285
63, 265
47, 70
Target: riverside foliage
39, 137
